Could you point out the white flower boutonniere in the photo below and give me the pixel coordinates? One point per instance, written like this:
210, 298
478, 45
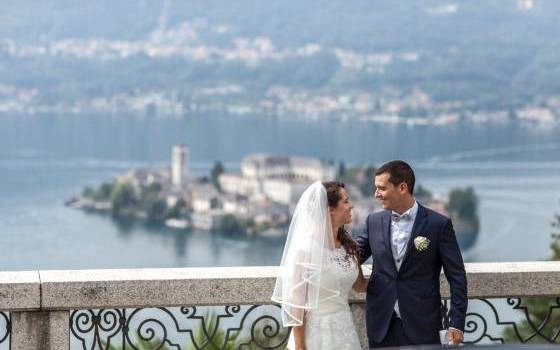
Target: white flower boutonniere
421, 243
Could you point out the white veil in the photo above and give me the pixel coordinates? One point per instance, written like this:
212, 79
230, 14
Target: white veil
298, 285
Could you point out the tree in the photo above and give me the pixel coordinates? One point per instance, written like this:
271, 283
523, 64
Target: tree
341, 171
462, 203
154, 187
155, 209
152, 190
122, 196
154, 206
421, 192
88, 192
217, 170
176, 210
555, 245
107, 189
366, 185
104, 191
231, 225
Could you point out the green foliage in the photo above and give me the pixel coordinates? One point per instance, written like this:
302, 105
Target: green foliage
261, 339
141, 345
341, 171
360, 176
106, 189
217, 335
126, 201
215, 173
152, 202
122, 196
368, 181
155, 208
230, 225
177, 210
539, 308
422, 193
88, 192
103, 193
555, 245
211, 336
154, 187
233, 225
471, 59
462, 203
236, 340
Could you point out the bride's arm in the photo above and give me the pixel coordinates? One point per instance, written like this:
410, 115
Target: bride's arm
299, 337
360, 285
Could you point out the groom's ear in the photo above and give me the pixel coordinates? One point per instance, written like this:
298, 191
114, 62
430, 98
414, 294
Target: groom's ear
403, 187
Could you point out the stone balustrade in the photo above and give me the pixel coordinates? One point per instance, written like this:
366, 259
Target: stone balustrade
40, 302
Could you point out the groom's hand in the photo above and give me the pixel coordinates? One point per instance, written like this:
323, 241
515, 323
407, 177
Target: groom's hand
455, 336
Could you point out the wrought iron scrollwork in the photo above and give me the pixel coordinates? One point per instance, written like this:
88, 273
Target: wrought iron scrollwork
537, 330
95, 329
265, 333
5, 327
486, 325
204, 328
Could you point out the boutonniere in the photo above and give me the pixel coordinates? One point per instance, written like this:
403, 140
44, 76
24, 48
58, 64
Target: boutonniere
421, 243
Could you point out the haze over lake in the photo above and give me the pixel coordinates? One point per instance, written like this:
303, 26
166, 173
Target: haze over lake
45, 159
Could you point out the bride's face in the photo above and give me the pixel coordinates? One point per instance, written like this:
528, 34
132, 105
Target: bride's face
342, 213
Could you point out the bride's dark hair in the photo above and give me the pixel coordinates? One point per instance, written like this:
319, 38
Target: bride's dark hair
333, 196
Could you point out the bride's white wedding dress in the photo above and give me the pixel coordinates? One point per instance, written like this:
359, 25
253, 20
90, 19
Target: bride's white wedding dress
330, 325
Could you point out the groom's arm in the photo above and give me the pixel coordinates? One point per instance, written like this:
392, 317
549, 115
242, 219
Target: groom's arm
362, 240
454, 270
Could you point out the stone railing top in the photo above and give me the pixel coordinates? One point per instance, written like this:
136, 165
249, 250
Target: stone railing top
159, 274
513, 267
85, 289
20, 290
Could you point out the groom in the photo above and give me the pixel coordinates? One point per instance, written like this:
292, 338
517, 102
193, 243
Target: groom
409, 245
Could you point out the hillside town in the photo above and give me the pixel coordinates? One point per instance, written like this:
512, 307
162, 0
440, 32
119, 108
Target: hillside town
200, 42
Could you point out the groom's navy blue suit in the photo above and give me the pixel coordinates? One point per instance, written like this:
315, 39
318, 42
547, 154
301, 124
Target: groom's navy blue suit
416, 284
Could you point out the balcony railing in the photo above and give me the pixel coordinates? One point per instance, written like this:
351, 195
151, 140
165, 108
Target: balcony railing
230, 308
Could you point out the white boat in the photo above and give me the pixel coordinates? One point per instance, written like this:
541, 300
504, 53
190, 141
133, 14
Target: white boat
177, 223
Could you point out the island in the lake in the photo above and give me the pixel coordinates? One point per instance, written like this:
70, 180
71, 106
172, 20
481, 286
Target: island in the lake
258, 199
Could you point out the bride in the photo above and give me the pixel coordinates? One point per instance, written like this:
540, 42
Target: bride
318, 269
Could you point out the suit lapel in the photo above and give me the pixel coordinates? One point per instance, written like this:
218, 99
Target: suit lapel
417, 227
386, 227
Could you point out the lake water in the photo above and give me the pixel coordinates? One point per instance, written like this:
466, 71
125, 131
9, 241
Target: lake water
514, 169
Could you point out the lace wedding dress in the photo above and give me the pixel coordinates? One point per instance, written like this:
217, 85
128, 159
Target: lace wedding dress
330, 325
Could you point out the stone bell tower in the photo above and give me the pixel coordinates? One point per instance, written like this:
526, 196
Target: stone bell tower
179, 165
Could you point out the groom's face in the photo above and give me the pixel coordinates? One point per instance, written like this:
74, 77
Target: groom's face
388, 194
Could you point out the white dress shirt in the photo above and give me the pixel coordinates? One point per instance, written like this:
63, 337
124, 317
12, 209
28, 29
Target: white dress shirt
401, 229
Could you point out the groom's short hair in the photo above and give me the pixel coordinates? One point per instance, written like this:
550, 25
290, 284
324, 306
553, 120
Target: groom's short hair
399, 172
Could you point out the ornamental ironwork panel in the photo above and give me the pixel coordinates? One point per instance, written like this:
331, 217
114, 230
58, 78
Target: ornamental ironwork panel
489, 321
511, 320
5, 330
209, 328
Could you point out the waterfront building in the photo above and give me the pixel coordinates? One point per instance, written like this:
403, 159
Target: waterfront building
278, 178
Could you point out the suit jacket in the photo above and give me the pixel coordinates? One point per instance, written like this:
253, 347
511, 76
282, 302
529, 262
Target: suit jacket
416, 284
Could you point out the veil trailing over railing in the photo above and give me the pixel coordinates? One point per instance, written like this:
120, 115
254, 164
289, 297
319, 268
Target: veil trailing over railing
310, 238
